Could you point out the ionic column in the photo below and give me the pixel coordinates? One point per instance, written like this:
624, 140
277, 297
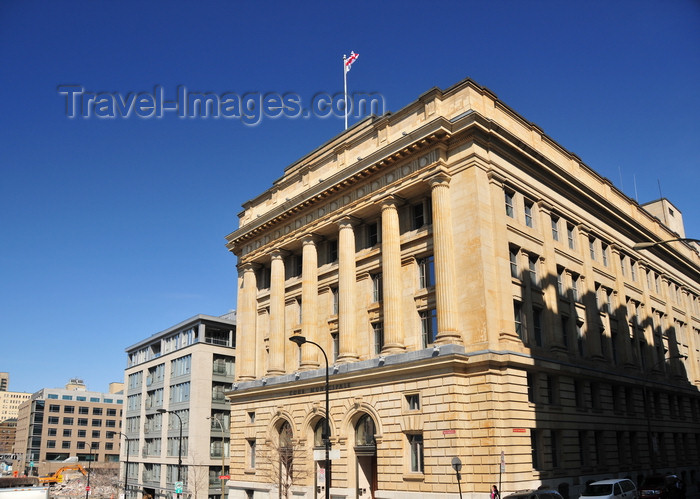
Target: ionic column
309, 301
277, 340
443, 247
246, 315
346, 291
391, 277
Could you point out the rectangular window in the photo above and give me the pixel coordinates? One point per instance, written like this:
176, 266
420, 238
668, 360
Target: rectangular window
574, 287
565, 331
181, 366
623, 264
68, 421
372, 234
579, 337
417, 216
96, 422
428, 319
67, 433
416, 444
591, 247
426, 268
69, 409
378, 331
560, 280
413, 402
534, 448
83, 410
97, 411
54, 408
65, 444
82, 422
633, 270
528, 213
251, 454
530, 378
336, 346
53, 420
556, 448
604, 253
82, 433
570, 236
532, 269
377, 287
513, 257
555, 228
518, 319
96, 433
537, 325
332, 251
336, 301
509, 204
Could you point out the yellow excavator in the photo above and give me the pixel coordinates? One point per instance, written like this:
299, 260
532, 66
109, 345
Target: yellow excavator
57, 476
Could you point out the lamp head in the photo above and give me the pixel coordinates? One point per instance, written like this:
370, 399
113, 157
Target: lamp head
646, 245
298, 339
162, 411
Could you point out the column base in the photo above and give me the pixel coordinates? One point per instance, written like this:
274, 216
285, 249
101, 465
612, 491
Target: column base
392, 348
346, 358
449, 336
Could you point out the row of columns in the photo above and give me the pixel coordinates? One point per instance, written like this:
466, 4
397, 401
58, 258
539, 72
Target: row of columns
250, 339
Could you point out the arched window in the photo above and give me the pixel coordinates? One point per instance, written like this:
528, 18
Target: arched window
285, 436
319, 428
364, 432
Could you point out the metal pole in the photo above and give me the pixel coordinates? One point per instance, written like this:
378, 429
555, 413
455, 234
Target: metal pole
223, 453
87, 488
126, 462
300, 340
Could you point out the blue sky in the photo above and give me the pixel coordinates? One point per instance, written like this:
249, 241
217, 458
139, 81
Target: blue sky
113, 229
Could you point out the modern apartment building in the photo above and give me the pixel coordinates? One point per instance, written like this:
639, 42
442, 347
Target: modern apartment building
4, 381
57, 424
478, 293
176, 410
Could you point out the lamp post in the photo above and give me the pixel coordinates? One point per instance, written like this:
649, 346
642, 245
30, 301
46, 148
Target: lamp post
650, 244
179, 445
223, 453
457, 466
87, 488
126, 463
647, 410
300, 340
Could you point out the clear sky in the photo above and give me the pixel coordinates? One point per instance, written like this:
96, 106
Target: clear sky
113, 229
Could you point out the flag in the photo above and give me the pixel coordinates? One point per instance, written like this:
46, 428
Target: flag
348, 62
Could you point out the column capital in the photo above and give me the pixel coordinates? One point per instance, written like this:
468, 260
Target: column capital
279, 254
310, 239
248, 267
348, 221
392, 201
441, 178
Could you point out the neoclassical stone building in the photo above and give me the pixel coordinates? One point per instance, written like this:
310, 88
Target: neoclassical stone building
475, 288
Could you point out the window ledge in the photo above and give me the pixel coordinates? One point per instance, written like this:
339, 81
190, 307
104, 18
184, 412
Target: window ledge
414, 477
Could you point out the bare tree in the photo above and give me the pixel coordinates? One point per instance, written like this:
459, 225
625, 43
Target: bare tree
198, 479
285, 460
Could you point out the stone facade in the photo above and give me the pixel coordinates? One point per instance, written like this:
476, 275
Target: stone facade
475, 289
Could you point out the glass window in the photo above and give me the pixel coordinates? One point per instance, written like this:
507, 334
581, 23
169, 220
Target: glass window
415, 442
413, 402
532, 269
528, 213
364, 432
518, 318
426, 268
509, 204
428, 326
378, 332
570, 236
513, 257
555, 227
377, 287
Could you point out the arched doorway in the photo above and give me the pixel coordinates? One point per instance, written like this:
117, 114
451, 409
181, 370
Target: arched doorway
285, 458
320, 457
366, 455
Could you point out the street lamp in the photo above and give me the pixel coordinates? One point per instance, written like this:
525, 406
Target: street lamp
223, 453
457, 466
179, 445
647, 410
649, 244
300, 340
126, 464
87, 488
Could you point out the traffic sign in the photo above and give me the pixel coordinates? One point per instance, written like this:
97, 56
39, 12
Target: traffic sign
178, 487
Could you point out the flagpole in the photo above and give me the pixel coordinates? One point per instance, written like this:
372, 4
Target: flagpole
345, 90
